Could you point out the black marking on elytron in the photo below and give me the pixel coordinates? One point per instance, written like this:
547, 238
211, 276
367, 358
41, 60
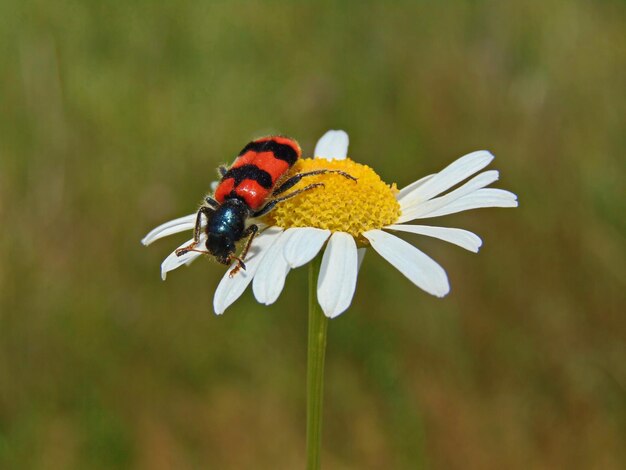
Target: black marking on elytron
233, 195
281, 151
249, 172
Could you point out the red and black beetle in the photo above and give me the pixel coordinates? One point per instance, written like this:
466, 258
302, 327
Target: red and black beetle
251, 187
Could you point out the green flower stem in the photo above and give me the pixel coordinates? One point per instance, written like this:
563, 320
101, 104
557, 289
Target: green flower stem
318, 324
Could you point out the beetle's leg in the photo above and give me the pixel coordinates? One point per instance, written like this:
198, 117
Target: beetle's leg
270, 205
212, 202
251, 232
207, 211
240, 265
291, 182
204, 252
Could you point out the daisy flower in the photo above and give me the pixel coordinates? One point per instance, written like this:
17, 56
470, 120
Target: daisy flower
344, 219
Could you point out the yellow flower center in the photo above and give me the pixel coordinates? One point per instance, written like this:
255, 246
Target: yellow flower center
342, 205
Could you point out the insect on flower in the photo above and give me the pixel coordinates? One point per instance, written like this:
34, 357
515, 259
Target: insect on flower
342, 221
250, 188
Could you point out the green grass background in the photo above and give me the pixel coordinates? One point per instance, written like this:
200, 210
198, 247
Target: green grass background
113, 117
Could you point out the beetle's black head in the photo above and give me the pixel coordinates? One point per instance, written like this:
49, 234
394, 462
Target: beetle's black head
222, 246
225, 228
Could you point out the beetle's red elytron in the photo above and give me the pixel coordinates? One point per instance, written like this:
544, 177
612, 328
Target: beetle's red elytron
251, 187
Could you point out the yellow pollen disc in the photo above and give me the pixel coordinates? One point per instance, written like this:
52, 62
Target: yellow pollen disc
341, 205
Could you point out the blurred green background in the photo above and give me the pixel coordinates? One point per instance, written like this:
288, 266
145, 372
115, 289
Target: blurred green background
113, 117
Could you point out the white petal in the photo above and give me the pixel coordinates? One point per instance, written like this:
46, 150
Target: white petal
486, 197
422, 270
303, 244
419, 210
411, 187
168, 228
231, 288
174, 261
454, 173
270, 277
457, 236
338, 273
332, 145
